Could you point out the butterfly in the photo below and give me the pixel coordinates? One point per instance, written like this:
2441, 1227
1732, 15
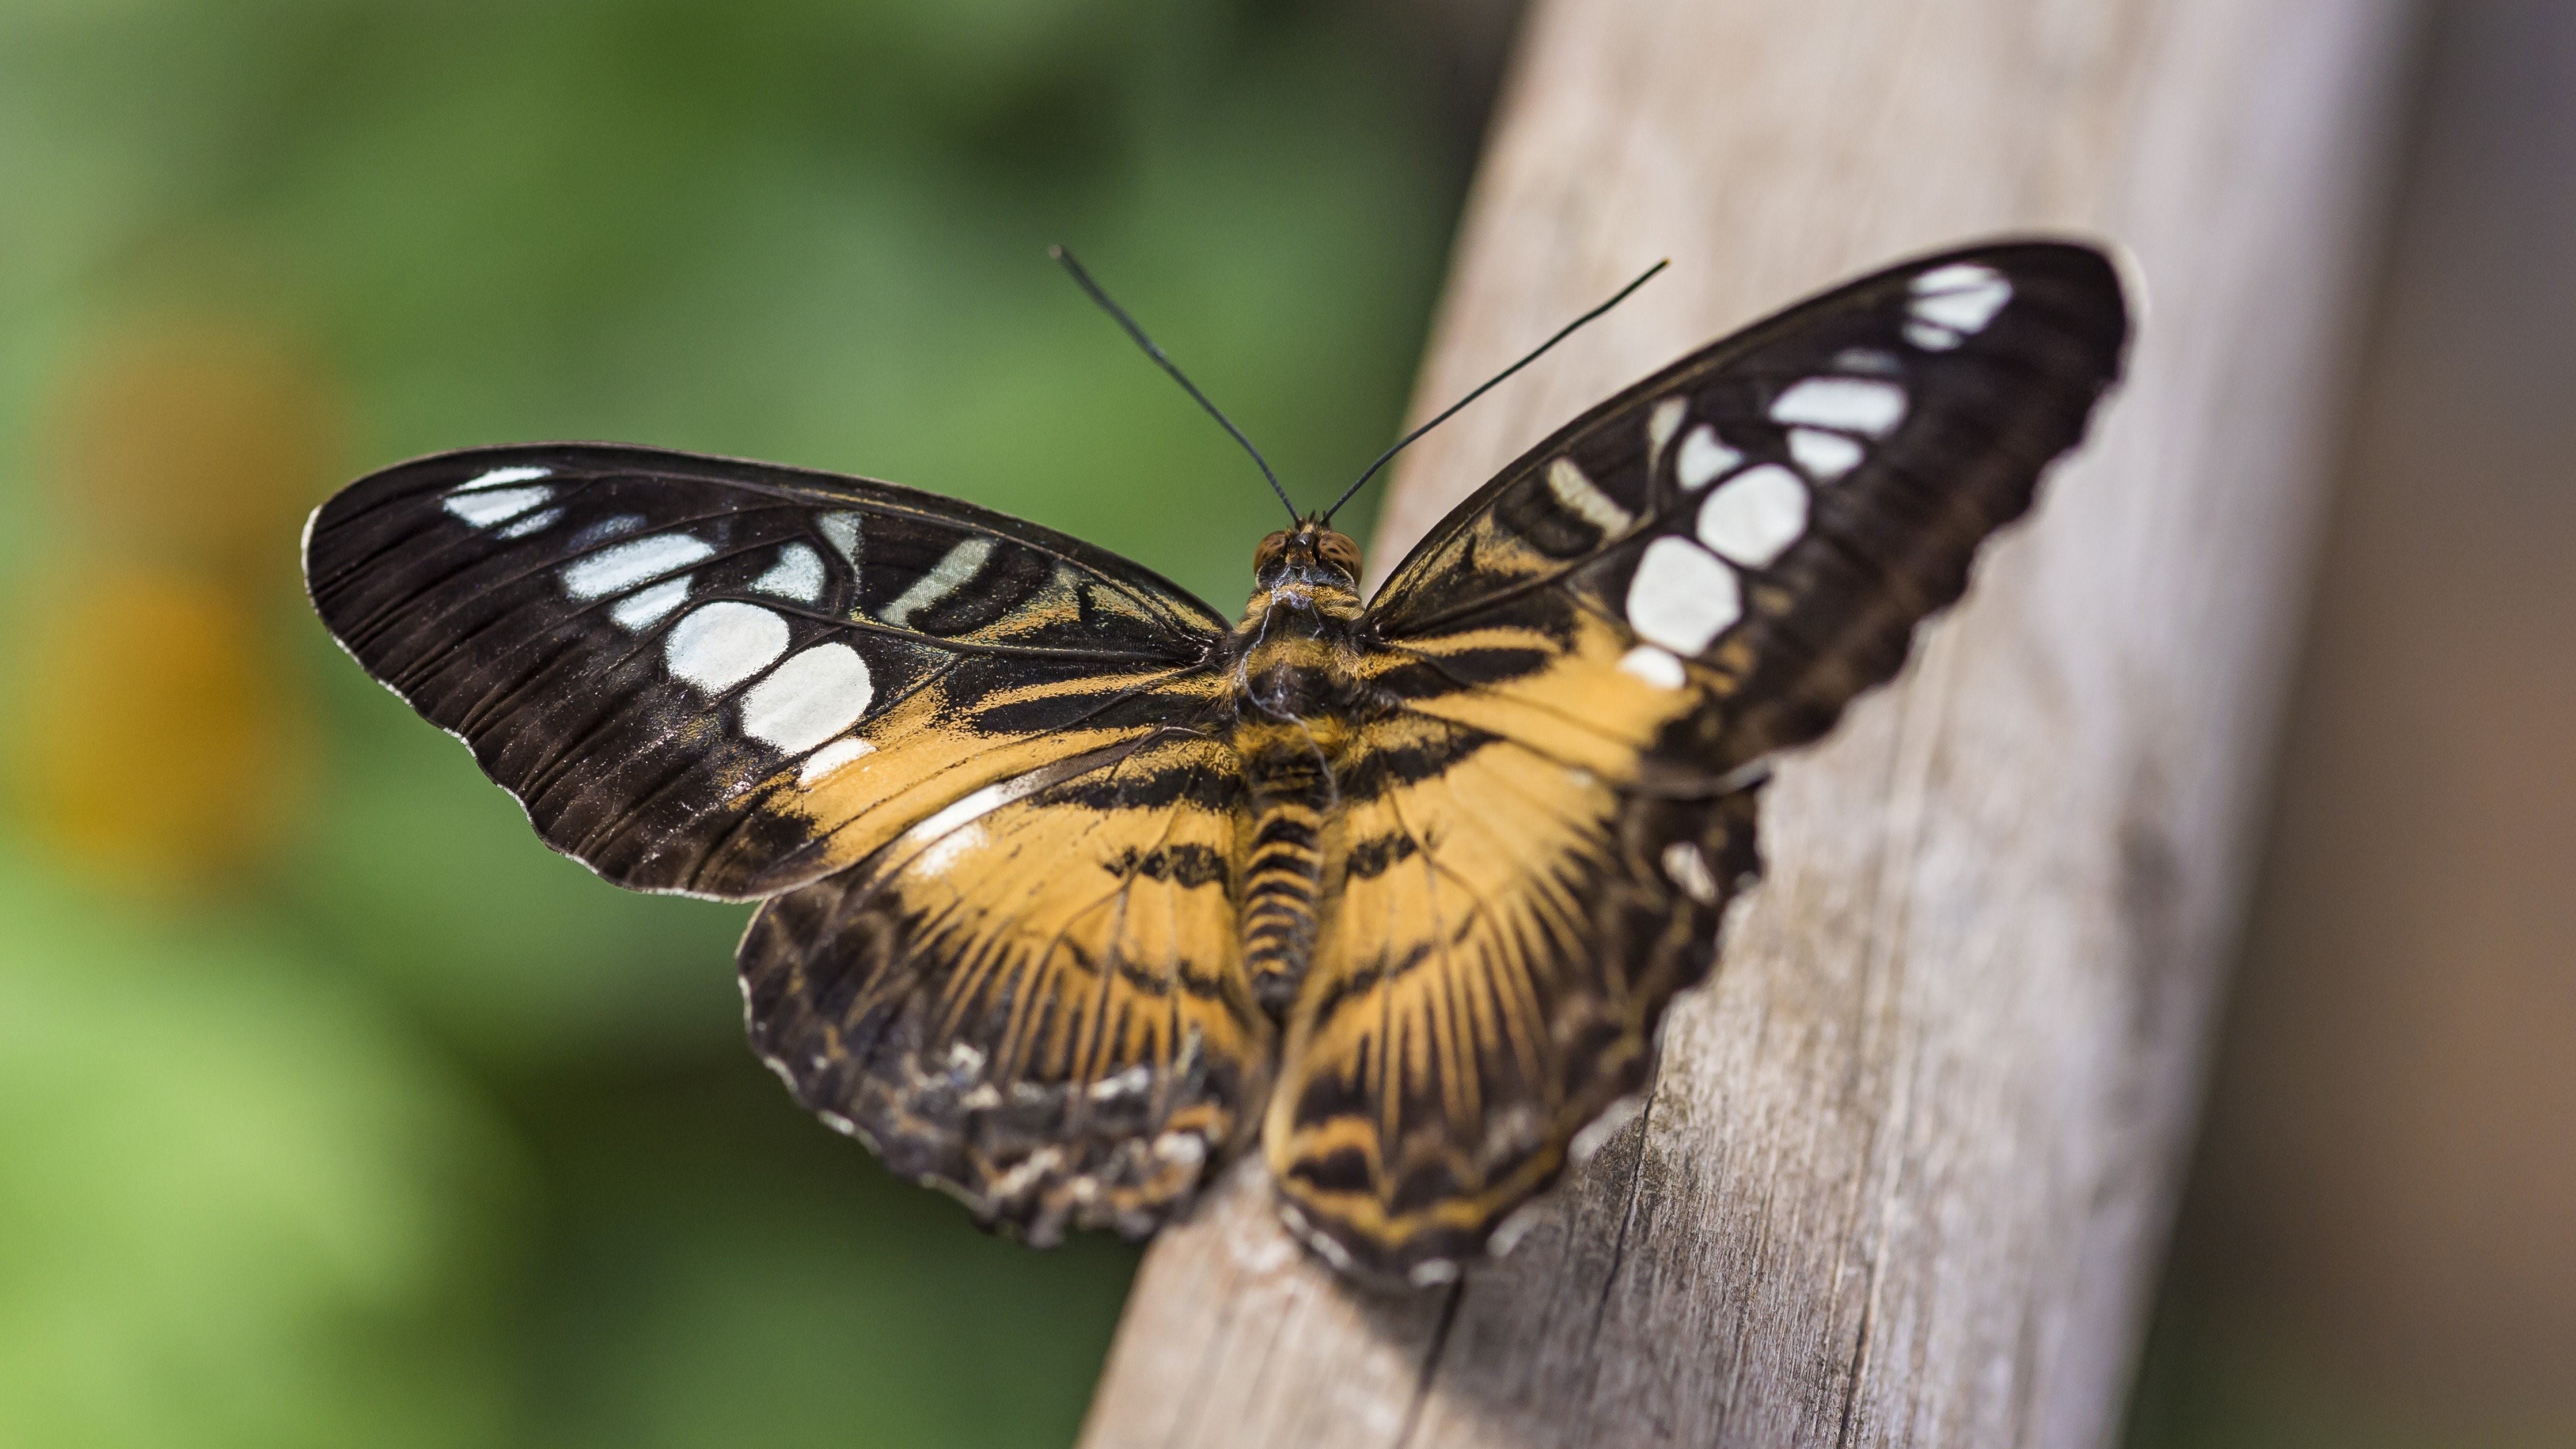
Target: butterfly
1071, 888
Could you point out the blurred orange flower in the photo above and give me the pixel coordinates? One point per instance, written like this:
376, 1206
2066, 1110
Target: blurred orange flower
154, 741
153, 737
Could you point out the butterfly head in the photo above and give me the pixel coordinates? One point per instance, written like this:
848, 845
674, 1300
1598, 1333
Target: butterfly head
1310, 554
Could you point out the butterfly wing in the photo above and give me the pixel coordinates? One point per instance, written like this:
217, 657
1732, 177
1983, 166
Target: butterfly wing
947, 741
1585, 657
670, 660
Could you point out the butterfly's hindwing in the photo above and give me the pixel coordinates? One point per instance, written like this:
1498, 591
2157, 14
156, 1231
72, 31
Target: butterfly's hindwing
1581, 662
1507, 931
674, 661
1035, 999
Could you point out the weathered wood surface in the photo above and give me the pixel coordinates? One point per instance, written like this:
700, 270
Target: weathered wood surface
1906, 1171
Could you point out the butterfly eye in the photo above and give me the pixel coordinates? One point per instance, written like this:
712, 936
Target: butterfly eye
1267, 552
1338, 550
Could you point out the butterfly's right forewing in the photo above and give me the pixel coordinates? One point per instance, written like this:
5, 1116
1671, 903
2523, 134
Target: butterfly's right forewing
1780, 510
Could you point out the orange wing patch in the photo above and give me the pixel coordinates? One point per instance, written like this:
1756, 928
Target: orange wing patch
923, 754
1597, 705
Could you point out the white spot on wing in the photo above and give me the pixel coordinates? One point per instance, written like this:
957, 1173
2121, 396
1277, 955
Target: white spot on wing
1433, 1271
499, 476
1661, 424
1579, 496
533, 523
642, 608
945, 851
1516, 1225
600, 531
797, 575
1757, 514
1324, 1246
841, 530
1931, 337
976, 804
1868, 360
1601, 1129
1687, 868
832, 757
1825, 456
723, 644
1703, 457
496, 505
1681, 597
1962, 297
1133, 1082
1852, 404
1656, 666
810, 698
610, 570
953, 571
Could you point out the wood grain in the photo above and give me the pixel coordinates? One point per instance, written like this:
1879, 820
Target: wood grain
1907, 1169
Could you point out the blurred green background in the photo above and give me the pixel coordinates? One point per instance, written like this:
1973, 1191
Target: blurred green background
334, 1110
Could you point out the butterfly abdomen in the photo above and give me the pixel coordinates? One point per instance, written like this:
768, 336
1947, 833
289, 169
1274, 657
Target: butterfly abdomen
1288, 763
1281, 883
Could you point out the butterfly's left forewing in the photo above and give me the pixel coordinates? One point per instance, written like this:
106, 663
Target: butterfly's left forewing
673, 660
1580, 665
967, 757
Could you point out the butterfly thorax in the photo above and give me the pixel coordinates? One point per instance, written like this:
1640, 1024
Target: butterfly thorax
1298, 695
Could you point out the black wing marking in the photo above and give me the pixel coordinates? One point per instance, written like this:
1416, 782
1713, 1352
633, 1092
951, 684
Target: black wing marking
727, 678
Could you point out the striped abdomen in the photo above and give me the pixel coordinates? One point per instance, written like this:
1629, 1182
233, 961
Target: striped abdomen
1292, 791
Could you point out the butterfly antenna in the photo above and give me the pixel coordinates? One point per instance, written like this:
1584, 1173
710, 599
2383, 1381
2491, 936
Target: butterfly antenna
1451, 411
1083, 280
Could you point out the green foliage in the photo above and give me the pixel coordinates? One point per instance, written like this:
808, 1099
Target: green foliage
239, 1205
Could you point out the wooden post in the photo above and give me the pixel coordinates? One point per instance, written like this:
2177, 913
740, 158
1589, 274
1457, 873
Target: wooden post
1908, 1166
